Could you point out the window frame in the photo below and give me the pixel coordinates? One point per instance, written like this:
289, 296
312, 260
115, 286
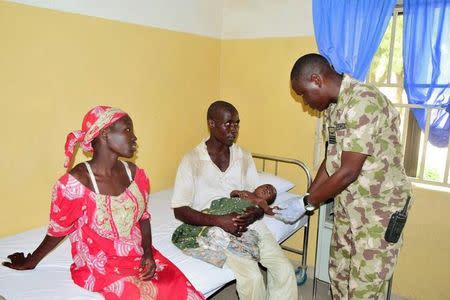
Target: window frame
413, 140
414, 157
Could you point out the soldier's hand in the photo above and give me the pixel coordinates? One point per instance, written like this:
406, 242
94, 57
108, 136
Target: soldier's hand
289, 210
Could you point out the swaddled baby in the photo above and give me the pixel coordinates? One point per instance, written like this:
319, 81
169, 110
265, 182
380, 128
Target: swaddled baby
208, 243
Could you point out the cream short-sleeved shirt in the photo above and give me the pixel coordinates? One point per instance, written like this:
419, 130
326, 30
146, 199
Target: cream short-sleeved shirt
199, 181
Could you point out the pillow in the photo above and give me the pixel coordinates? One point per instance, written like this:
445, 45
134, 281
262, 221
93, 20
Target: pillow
282, 185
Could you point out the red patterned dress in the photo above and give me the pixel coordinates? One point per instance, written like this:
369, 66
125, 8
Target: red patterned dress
106, 241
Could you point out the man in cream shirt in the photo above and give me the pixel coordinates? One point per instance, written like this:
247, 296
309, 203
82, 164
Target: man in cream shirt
212, 170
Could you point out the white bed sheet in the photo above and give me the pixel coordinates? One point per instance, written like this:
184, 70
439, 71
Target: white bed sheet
51, 279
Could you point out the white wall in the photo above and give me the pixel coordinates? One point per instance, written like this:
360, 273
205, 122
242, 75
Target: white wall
203, 17
227, 19
267, 18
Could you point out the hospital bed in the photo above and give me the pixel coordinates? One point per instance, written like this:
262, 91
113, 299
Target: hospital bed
51, 278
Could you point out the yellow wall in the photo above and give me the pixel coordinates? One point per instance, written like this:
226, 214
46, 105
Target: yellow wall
55, 66
423, 269
255, 77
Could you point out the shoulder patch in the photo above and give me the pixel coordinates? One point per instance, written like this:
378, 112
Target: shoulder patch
340, 126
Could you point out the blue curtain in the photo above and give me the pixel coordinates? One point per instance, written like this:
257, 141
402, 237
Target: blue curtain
348, 32
426, 57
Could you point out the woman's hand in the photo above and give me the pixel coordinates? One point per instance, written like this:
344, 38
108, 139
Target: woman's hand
19, 261
148, 268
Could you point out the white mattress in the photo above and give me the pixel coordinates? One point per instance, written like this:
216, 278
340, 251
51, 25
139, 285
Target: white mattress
51, 279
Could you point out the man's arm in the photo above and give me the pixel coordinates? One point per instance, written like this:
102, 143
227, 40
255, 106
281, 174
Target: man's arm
230, 223
183, 197
351, 165
321, 176
324, 187
357, 143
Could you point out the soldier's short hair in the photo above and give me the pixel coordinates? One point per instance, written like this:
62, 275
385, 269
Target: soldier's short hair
308, 64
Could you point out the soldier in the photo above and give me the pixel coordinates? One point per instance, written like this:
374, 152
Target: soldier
363, 170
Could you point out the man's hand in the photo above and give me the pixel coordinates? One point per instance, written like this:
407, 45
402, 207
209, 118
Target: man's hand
250, 215
289, 210
231, 223
148, 268
19, 261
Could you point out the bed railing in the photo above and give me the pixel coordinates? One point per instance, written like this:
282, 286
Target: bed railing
301, 270
278, 159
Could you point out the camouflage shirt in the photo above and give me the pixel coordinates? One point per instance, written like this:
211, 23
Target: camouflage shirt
363, 120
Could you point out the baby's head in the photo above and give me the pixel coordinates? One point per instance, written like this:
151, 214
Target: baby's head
266, 192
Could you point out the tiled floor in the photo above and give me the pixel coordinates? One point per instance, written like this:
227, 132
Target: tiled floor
305, 292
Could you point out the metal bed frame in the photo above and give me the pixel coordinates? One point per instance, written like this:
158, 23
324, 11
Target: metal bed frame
304, 251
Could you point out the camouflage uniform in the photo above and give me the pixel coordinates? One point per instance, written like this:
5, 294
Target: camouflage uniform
363, 120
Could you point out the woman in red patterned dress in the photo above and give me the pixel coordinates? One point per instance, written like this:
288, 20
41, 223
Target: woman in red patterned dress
102, 206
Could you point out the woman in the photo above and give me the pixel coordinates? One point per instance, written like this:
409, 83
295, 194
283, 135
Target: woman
102, 206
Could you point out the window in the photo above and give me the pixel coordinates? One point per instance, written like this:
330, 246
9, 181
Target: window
423, 161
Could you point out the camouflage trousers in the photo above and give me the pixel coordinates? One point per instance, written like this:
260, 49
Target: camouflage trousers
361, 261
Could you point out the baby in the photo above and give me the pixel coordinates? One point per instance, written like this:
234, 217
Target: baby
262, 196
208, 243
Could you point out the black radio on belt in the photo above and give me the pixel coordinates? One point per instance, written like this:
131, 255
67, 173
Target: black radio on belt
396, 224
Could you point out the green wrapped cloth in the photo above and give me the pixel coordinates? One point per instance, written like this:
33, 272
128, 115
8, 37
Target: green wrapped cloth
185, 236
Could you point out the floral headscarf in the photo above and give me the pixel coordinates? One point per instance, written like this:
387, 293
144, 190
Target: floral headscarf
96, 119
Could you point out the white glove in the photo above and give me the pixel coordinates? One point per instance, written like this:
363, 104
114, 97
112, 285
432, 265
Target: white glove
289, 210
